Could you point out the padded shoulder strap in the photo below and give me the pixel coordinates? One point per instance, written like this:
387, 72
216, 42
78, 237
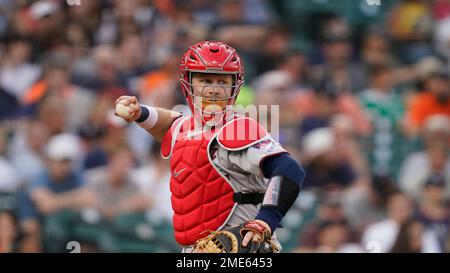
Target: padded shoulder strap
171, 135
241, 133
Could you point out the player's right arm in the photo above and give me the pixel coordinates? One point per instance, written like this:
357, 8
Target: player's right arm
164, 117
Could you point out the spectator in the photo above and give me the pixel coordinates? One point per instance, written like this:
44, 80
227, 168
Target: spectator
273, 49
55, 84
102, 133
333, 238
384, 233
418, 166
441, 38
382, 187
204, 12
385, 108
433, 212
10, 180
317, 108
9, 184
355, 200
409, 238
159, 86
283, 86
277, 88
348, 146
441, 9
8, 224
295, 63
87, 17
46, 19
433, 99
376, 49
231, 17
131, 62
58, 188
339, 72
17, 65
153, 180
324, 166
380, 99
114, 192
441, 12
96, 69
329, 210
26, 149
410, 24
9, 106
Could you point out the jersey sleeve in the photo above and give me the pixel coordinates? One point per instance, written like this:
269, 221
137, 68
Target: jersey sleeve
249, 159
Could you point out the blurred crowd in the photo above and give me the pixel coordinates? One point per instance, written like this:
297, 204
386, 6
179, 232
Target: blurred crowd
364, 95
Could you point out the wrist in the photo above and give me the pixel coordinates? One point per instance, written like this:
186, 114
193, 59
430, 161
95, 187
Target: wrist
270, 216
266, 225
143, 114
148, 117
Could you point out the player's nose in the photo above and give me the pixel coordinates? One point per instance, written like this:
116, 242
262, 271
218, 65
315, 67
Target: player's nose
214, 91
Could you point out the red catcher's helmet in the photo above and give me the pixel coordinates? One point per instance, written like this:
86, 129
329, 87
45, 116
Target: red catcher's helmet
211, 57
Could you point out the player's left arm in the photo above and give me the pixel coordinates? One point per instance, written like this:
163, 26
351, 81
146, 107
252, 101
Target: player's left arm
285, 180
266, 158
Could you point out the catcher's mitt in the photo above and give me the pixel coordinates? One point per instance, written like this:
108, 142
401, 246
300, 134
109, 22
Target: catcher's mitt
229, 240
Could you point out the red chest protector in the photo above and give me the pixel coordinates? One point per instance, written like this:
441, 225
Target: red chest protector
202, 197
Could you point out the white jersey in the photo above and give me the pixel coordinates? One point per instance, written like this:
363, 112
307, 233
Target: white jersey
243, 170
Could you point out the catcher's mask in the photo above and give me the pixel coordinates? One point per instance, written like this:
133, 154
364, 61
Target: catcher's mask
211, 102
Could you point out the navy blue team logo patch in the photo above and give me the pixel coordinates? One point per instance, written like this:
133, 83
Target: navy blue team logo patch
265, 144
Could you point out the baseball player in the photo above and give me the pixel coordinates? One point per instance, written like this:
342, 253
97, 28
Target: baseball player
228, 174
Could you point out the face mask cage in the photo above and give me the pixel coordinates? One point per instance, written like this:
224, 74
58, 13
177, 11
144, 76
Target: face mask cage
212, 101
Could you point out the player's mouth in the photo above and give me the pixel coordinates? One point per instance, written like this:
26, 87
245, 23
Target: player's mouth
213, 105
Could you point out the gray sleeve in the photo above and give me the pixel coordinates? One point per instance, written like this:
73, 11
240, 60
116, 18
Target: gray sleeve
248, 160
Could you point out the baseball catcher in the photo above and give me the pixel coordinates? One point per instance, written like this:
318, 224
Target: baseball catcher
231, 183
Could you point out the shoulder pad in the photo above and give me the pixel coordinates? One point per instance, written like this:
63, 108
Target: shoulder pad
241, 133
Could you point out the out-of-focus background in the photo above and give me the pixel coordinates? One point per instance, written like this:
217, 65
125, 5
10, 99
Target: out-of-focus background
364, 92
